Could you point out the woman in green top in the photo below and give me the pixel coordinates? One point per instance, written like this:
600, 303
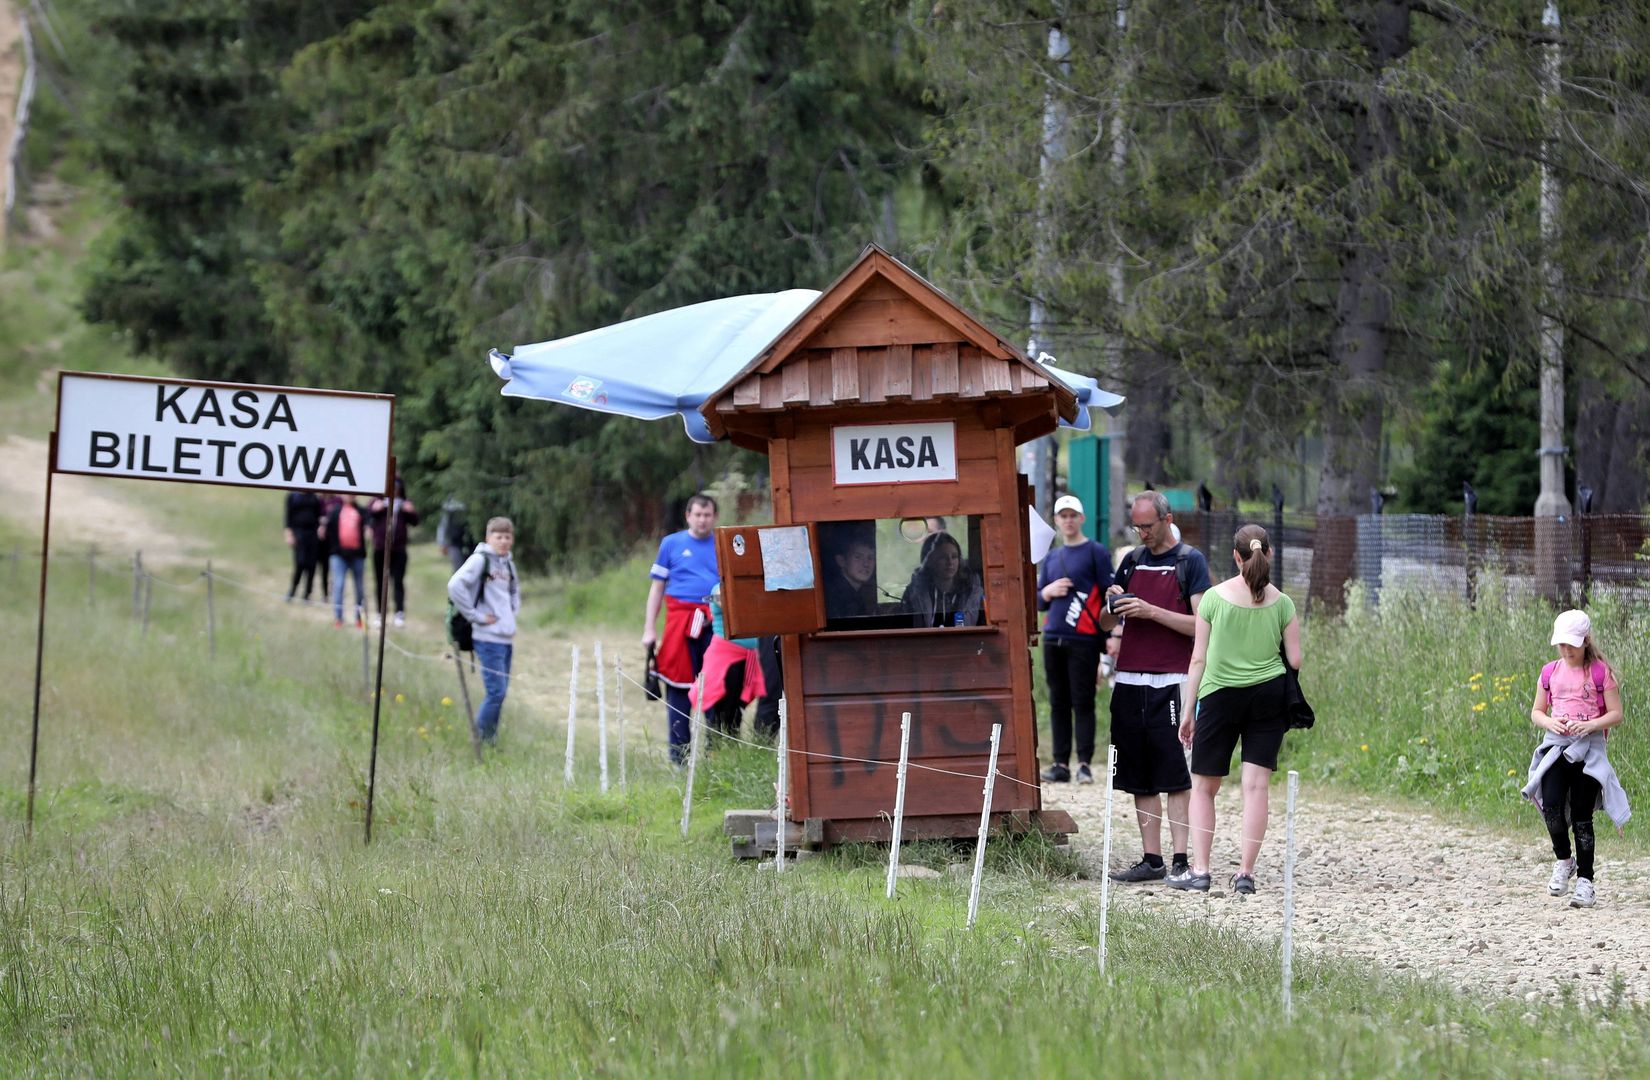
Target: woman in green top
1235, 690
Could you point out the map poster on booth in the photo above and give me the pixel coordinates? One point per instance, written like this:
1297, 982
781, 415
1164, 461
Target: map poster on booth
224, 433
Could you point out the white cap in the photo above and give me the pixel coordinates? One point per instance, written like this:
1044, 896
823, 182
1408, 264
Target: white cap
1068, 502
1571, 628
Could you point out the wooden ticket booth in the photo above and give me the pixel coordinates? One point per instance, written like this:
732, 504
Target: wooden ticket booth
889, 417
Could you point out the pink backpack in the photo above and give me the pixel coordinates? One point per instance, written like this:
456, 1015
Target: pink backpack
349, 527
1598, 683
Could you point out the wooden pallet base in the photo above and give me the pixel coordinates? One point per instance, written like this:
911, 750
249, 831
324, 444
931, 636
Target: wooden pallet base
754, 832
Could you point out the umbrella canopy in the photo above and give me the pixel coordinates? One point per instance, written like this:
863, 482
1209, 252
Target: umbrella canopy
670, 362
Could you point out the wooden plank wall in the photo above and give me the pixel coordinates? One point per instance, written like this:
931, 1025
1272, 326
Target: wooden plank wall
955, 684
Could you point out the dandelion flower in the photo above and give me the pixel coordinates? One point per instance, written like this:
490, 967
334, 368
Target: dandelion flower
1422, 740
401, 699
1364, 747
1512, 772
1480, 706
446, 703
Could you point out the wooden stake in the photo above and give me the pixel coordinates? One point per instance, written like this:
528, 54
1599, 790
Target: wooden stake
1105, 855
985, 827
782, 814
572, 716
601, 716
899, 801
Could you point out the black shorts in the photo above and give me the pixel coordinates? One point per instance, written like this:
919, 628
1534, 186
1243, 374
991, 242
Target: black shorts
1257, 714
1145, 728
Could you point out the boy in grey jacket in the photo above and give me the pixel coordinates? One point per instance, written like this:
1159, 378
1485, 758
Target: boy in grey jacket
490, 572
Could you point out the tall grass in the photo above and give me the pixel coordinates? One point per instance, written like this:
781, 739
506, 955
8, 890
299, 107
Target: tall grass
1426, 697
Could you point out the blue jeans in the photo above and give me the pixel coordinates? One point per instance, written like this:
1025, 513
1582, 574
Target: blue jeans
357, 566
494, 660
677, 710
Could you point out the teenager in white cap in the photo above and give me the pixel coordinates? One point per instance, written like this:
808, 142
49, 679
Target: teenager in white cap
1071, 587
1577, 702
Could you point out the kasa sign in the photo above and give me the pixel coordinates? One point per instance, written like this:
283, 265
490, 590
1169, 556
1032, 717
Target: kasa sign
224, 433
895, 453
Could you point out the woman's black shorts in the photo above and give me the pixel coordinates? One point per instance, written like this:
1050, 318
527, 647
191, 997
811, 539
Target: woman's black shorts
1257, 714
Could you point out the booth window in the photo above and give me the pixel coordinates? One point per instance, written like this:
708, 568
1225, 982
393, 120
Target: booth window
902, 573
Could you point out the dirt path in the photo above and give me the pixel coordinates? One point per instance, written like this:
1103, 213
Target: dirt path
82, 511
1410, 890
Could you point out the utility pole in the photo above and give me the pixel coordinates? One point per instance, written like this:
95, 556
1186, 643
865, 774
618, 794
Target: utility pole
1552, 507
1053, 153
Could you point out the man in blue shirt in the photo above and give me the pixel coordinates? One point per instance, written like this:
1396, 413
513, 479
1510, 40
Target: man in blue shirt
684, 573
1071, 584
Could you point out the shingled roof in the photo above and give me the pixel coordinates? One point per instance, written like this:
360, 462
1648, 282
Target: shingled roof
881, 333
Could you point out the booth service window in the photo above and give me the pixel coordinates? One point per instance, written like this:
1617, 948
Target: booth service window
906, 573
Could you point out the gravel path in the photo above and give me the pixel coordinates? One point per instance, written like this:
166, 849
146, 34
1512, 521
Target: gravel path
1410, 890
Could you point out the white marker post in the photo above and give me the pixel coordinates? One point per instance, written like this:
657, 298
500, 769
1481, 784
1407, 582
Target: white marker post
899, 800
601, 714
1289, 898
985, 826
572, 716
618, 686
783, 792
1105, 854
694, 743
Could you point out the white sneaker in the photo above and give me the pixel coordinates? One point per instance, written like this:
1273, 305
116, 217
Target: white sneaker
1584, 896
1563, 871
401, 618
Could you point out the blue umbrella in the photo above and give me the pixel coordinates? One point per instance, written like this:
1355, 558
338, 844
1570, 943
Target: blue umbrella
670, 362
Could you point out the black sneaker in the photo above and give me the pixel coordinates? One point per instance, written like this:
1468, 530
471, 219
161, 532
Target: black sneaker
1189, 881
1243, 884
1140, 871
1057, 774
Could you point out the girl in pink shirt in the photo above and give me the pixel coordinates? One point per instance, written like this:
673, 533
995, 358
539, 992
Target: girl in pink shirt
1576, 702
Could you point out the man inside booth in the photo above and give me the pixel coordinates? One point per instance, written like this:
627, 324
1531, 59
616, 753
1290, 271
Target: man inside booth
851, 591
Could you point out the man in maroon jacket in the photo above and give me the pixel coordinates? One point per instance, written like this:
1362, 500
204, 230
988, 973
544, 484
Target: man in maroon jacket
1156, 592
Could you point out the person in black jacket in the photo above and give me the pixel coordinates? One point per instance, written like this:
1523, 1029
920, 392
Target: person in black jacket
303, 522
394, 542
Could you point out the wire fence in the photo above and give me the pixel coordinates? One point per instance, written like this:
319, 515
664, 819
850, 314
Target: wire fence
1567, 558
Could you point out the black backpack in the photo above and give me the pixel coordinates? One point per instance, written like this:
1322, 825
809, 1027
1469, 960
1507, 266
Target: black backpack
459, 631
1182, 570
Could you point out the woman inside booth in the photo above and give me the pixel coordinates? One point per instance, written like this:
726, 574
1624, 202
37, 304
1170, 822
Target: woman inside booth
944, 591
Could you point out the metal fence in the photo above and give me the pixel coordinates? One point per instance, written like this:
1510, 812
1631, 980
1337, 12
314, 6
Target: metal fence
1566, 558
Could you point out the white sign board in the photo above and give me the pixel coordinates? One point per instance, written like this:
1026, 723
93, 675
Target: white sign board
223, 433
895, 453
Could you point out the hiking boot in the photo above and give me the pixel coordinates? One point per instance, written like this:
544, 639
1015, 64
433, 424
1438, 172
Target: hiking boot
1243, 884
1140, 871
1084, 776
1188, 881
1584, 895
1056, 774
1563, 871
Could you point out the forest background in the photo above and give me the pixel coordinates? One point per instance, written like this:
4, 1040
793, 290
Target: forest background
1274, 226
